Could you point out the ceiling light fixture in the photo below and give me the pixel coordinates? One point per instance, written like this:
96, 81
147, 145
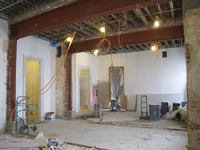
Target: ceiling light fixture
102, 29
96, 52
157, 23
69, 39
154, 48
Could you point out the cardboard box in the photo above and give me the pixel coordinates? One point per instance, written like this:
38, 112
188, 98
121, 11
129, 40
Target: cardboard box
50, 116
124, 102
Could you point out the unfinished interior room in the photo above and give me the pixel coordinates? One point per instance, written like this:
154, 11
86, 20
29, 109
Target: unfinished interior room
100, 74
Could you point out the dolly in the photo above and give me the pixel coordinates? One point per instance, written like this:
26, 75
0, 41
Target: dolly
26, 125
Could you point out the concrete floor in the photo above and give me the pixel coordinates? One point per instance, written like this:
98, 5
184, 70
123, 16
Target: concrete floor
133, 119
121, 135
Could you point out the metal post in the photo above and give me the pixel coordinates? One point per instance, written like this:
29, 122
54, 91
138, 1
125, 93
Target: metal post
28, 118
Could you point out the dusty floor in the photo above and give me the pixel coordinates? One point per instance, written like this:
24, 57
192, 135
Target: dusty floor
121, 134
133, 119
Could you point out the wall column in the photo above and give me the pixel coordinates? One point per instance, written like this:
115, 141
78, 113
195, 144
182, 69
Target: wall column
11, 79
192, 46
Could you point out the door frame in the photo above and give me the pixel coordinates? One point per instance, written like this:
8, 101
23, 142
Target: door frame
41, 99
78, 89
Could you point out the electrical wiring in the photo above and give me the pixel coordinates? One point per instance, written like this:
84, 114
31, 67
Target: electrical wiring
101, 45
39, 93
120, 24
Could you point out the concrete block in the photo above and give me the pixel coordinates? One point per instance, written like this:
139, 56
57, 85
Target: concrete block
97, 112
97, 105
70, 114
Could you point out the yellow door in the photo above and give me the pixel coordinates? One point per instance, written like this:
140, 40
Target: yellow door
84, 89
33, 85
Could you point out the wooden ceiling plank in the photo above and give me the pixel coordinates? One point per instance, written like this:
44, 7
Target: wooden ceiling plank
172, 10
144, 19
131, 20
160, 13
148, 13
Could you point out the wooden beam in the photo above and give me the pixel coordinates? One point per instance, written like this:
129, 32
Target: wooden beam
75, 12
133, 38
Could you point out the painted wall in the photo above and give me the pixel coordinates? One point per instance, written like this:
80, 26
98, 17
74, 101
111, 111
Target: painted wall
40, 49
84, 60
3, 66
143, 74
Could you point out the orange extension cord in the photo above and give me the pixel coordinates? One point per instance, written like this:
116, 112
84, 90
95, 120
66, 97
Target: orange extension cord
53, 79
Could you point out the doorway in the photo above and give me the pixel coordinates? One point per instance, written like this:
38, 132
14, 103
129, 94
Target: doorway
32, 85
85, 88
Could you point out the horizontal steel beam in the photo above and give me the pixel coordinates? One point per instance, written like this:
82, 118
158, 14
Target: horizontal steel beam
134, 38
75, 12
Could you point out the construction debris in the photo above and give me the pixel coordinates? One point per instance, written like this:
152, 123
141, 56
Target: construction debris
180, 114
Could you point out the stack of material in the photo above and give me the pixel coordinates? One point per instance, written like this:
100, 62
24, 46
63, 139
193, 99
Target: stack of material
97, 110
50, 116
176, 105
164, 107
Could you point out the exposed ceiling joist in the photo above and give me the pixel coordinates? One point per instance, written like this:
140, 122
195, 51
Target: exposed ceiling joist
171, 5
161, 13
78, 12
140, 13
134, 38
150, 16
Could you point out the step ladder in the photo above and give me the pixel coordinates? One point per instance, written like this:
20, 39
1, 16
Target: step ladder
144, 109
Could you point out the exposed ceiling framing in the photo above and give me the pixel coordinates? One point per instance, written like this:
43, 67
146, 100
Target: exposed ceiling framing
139, 15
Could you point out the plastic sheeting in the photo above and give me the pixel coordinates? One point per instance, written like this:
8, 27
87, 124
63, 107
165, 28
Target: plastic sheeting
172, 114
116, 82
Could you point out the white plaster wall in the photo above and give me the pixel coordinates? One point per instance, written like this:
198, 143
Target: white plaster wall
144, 75
3, 71
33, 47
85, 60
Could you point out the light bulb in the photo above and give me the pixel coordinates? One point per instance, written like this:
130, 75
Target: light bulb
69, 39
153, 48
96, 52
156, 24
102, 29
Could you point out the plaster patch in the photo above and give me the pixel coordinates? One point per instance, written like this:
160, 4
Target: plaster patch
5, 45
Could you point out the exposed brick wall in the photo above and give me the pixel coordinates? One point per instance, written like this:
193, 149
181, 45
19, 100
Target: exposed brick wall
68, 70
192, 41
62, 84
11, 78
